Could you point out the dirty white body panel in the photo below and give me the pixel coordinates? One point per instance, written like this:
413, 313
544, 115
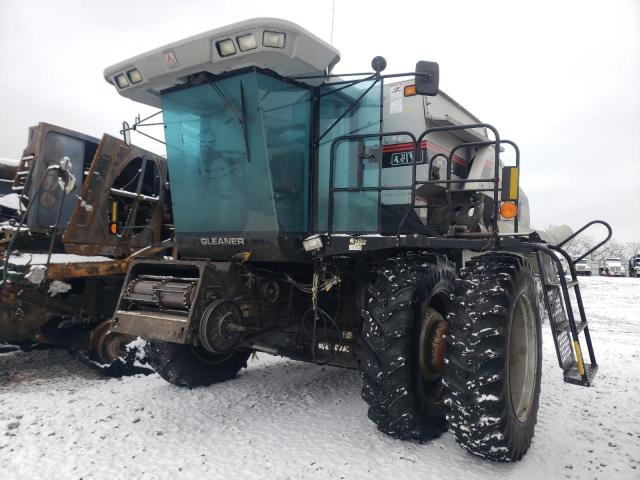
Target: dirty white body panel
418, 113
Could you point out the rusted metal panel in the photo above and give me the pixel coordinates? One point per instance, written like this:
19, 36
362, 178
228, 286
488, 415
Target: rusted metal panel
133, 179
164, 326
30, 312
48, 145
86, 269
35, 304
19, 320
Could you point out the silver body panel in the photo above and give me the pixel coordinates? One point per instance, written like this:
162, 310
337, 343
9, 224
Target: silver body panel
418, 113
303, 54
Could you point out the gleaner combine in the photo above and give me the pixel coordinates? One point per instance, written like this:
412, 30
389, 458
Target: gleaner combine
346, 220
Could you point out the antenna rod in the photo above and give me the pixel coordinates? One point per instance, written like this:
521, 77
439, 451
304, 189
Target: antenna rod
333, 11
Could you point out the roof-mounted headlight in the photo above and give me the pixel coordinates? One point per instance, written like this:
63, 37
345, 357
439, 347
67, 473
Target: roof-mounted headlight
273, 39
121, 80
134, 76
247, 42
226, 47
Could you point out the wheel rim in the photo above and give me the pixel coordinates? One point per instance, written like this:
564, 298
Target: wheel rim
431, 354
114, 347
106, 346
523, 361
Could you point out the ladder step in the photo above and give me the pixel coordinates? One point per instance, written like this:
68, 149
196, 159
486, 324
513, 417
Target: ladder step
566, 351
571, 283
564, 326
572, 375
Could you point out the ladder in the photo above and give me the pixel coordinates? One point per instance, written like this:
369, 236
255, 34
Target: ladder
23, 175
565, 325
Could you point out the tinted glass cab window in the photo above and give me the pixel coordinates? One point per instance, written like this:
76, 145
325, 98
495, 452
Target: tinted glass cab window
353, 211
238, 153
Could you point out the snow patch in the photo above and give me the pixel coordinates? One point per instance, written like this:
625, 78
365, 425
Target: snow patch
138, 346
36, 274
57, 287
8, 161
11, 201
487, 398
57, 258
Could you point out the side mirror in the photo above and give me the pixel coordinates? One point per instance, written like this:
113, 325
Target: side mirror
427, 78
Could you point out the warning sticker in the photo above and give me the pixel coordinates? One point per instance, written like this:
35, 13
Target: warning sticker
171, 60
357, 244
395, 102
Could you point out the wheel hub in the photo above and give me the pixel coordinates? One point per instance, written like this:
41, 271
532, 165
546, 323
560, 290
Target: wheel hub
432, 345
523, 362
108, 346
215, 334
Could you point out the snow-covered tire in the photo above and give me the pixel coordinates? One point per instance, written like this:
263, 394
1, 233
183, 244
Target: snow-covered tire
494, 357
189, 366
408, 297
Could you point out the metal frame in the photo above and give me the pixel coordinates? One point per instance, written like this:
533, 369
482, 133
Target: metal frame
379, 188
575, 370
585, 372
497, 147
414, 183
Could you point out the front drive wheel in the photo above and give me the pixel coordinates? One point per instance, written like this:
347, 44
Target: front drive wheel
190, 366
494, 358
401, 353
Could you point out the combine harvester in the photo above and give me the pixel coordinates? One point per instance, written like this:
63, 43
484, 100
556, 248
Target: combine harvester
361, 220
77, 211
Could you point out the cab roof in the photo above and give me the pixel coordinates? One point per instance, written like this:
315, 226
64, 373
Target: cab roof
233, 47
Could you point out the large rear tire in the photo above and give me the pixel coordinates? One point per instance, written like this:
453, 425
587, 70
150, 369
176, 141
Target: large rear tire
189, 366
402, 345
494, 358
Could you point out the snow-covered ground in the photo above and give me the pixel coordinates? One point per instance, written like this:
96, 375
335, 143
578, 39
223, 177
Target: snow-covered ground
286, 420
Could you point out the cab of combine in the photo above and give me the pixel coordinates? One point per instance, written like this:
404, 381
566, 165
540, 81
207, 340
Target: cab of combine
252, 113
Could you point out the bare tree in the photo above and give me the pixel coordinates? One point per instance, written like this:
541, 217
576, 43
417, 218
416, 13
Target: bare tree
579, 245
613, 248
632, 249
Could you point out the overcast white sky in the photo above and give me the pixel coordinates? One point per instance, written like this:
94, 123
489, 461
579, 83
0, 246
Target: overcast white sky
561, 78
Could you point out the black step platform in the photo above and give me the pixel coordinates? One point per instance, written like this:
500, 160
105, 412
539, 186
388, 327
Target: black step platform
573, 376
566, 326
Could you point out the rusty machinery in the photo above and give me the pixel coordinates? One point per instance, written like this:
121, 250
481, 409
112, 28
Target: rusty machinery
82, 209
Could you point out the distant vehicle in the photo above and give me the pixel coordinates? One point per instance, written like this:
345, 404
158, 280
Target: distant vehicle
611, 267
634, 266
565, 265
583, 267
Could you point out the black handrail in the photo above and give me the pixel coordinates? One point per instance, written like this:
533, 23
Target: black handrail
590, 251
379, 188
416, 151
496, 170
487, 143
